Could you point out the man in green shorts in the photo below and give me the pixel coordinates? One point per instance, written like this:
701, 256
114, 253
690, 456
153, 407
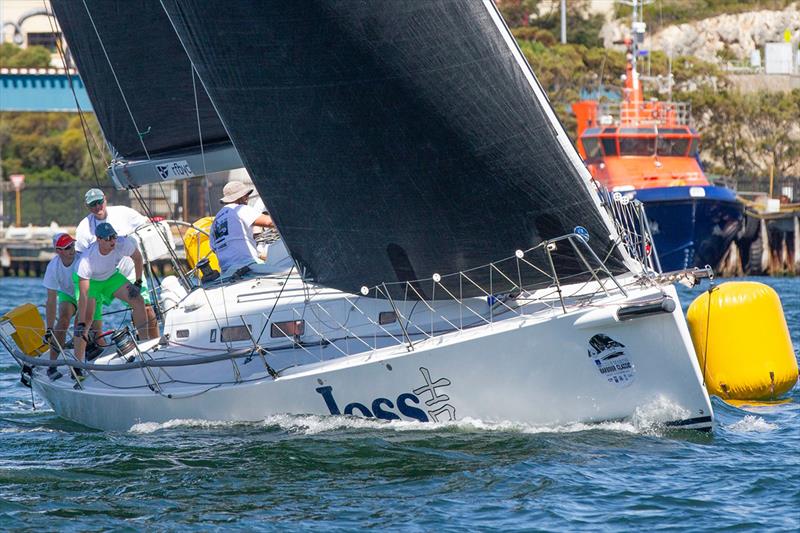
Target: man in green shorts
99, 282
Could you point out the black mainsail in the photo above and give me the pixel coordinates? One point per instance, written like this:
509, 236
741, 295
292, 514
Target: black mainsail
140, 82
392, 140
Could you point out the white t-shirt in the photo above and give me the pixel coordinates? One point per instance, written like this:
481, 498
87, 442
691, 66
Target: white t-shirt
232, 236
94, 265
59, 277
124, 219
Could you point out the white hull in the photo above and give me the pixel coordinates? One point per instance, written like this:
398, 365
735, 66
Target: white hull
536, 369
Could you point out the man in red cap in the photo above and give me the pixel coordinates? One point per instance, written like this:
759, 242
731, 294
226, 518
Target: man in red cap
61, 295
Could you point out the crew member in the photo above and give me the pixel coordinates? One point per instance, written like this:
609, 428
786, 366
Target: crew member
61, 296
232, 230
100, 281
125, 220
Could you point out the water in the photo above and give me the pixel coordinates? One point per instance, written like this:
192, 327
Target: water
309, 473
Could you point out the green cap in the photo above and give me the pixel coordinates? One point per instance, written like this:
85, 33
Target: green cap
92, 195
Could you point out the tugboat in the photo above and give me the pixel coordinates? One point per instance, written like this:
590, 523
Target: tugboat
648, 150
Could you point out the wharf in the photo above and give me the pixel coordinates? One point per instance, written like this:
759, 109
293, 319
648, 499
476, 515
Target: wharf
768, 242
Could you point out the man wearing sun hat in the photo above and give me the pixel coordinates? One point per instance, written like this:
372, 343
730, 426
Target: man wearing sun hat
100, 281
232, 229
125, 220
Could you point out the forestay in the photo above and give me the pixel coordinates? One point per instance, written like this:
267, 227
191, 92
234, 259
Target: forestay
154, 115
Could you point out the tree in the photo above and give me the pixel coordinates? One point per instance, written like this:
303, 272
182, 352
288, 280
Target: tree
12, 56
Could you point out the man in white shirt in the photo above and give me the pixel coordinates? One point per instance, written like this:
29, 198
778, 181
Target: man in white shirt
125, 221
232, 229
100, 281
61, 295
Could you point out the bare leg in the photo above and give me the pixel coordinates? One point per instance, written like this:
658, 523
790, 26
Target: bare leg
137, 305
65, 312
80, 342
152, 323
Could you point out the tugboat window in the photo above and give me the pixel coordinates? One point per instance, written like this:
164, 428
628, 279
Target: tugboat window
674, 146
637, 146
592, 147
693, 148
609, 146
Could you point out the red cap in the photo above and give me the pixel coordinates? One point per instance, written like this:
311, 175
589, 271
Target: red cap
63, 241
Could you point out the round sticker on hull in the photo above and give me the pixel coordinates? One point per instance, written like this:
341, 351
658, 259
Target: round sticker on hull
611, 361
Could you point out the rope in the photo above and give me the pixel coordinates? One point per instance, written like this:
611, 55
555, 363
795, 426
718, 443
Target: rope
275, 304
200, 138
84, 125
711, 289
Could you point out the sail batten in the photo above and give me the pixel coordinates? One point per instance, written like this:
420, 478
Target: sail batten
141, 85
390, 139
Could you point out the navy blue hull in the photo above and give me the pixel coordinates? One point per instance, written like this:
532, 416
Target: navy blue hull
691, 226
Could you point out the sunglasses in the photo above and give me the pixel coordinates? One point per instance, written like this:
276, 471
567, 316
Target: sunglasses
68, 247
95, 203
110, 238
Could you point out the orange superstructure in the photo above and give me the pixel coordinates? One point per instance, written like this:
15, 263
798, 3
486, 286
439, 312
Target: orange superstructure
637, 144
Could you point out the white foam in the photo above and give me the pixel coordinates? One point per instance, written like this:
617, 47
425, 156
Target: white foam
317, 424
151, 427
645, 419
657, 412
751, 424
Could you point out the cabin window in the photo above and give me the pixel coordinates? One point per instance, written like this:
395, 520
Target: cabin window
592, 147
674, 146
235, 333
637, 145
182, 334
387, 317
609, 146
290, 328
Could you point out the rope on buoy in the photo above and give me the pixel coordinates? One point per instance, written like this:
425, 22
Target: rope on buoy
711, 289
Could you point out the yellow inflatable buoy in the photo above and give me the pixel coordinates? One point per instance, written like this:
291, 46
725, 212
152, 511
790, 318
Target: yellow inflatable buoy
742, 342
197, 245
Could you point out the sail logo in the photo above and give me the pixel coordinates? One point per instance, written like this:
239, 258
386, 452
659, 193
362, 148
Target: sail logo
611, 361
175, 170
426, 403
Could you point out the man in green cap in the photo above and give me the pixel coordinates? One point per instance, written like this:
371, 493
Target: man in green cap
125, 221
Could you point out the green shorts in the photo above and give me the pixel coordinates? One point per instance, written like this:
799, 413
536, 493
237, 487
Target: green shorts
103, 291
64, 297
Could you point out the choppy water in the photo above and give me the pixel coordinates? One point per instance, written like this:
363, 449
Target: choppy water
308, 472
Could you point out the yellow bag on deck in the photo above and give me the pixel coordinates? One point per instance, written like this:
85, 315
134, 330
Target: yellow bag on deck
198, 246
29, 329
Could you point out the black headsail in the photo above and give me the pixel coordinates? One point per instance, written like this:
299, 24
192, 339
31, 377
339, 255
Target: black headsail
391, 140
139, 80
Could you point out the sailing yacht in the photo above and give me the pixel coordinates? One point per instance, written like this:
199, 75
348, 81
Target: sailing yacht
450, 256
